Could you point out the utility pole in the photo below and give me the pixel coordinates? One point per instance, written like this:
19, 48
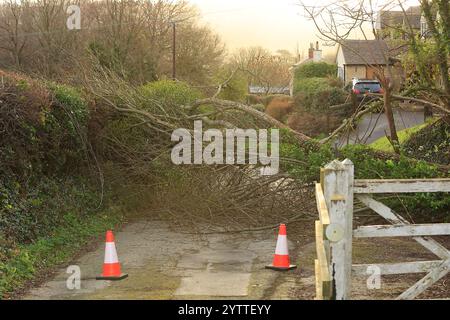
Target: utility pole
174, 45
174, 51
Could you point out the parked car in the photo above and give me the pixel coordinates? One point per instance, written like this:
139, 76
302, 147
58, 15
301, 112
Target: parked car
362, 86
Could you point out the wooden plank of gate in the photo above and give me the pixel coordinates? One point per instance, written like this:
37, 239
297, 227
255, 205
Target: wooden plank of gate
386, 212
397, 268
321, 253
322, 206
386, 231
401, 186
435, 275
319, 293
324, 263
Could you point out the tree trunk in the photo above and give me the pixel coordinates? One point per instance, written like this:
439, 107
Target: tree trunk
427, 112
390, 118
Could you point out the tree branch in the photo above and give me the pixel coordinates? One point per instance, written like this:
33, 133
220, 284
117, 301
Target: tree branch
218, 103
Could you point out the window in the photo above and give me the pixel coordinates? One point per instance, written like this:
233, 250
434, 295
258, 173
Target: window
341, 72
368, 86
423, 29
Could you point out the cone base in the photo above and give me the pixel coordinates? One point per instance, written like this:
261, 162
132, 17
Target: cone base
121, 277
272, 267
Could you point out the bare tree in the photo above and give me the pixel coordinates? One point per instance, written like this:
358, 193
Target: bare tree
262, 67
12, 41
131, 37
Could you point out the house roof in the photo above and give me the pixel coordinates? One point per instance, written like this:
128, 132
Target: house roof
254, 89
390, 18
304, 61
358, 52
396, 18
413, 14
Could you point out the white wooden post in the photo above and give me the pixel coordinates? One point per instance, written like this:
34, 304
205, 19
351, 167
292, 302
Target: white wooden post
350, 172
337, 184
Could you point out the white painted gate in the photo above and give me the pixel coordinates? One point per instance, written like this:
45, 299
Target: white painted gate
334, 231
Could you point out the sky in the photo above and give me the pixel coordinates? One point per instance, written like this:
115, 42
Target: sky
273, 24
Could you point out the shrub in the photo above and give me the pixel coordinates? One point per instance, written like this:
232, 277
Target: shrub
253, 99
32, 209
66, 124
235, 89
316, 94
45, 127
280, 107
128, 141
432, 143
315, 70
259, 107
313, 124
168, 94
309, 158
45, 138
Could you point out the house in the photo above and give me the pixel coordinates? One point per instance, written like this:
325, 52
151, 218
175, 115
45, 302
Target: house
262, 90
314, 55
357, 58
396, 24
424, 29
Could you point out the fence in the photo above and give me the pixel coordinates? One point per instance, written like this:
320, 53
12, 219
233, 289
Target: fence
334, 231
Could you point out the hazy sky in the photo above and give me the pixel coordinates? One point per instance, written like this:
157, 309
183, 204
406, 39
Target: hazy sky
274, 24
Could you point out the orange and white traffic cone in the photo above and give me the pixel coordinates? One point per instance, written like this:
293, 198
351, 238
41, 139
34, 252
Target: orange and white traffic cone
111, 265
281, 261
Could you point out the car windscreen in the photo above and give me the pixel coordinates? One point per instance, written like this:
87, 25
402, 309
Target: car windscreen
368, 86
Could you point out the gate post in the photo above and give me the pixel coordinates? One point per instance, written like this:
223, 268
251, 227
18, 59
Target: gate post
337, 181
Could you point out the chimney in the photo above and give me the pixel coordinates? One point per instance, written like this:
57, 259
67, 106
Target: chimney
317, 54
311, 51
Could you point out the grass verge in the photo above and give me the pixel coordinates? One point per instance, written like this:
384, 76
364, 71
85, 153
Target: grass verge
59, 247
383, 144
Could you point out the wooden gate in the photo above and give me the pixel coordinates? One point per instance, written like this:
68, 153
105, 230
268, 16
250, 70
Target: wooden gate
334, 231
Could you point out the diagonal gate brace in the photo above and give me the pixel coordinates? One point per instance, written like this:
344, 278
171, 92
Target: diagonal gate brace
432, 245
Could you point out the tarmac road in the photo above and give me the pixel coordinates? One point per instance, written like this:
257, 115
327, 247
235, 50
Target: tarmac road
163, 264
374, 126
